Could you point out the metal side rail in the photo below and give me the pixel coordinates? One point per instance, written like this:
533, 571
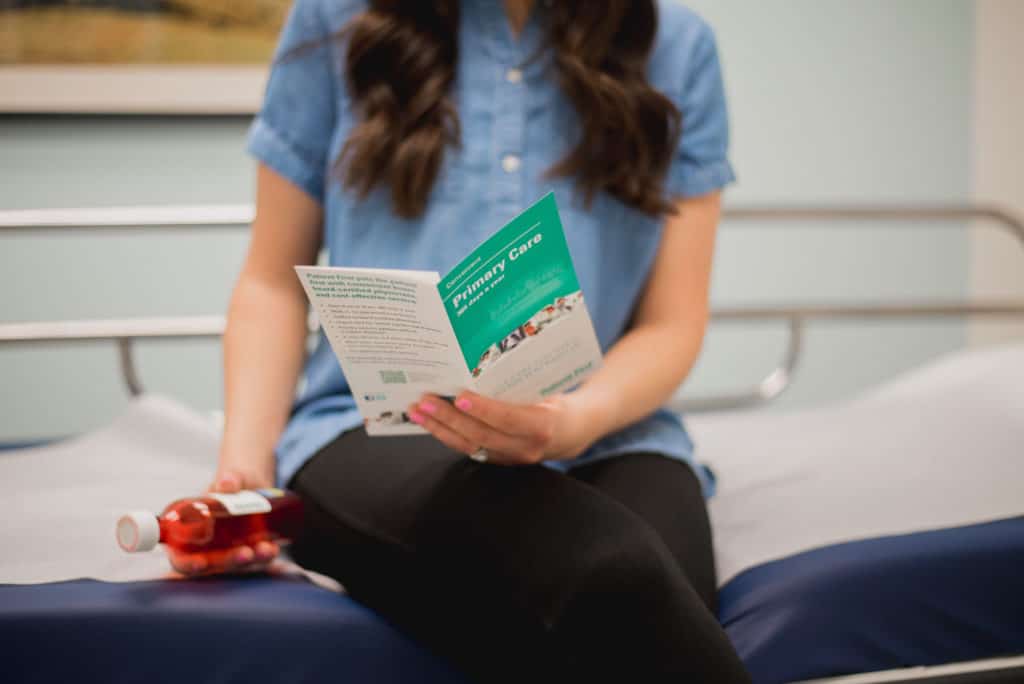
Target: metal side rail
796, 320
125, 332
990, 671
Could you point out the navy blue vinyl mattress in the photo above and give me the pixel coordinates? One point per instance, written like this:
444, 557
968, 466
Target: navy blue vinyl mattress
925, 598
256, 629
919, 599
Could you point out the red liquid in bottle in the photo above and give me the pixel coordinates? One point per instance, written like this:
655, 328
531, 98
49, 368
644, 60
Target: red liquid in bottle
213, 524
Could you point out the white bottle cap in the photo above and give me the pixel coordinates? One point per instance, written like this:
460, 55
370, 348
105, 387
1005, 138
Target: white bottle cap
138, 531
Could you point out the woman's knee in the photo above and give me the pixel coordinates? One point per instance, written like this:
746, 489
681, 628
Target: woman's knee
629, 608
620, 567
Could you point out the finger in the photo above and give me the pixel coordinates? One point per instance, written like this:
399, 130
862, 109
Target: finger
266, 551
228, 483
177, 562
187, 564
530, 423
478, 434
241, 557
457, 442
442, 432
251, 569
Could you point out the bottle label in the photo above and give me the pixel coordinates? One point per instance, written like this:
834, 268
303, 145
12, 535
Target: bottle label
243, 503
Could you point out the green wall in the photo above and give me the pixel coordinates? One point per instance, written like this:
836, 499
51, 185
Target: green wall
832, 101
48, 275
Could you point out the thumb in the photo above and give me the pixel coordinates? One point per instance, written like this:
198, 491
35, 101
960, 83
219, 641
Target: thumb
228, 482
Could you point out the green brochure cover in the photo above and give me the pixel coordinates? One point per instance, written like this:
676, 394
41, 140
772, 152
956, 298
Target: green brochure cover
509, 280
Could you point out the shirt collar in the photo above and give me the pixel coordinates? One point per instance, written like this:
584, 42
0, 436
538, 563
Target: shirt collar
489, 18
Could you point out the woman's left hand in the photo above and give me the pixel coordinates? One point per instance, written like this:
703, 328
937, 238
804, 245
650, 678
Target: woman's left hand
511, 434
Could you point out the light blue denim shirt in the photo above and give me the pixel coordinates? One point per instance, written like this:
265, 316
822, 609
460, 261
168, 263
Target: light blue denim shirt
516, 123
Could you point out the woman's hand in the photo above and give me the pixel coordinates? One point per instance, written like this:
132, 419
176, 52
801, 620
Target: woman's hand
240, 558
512, 434
260, 370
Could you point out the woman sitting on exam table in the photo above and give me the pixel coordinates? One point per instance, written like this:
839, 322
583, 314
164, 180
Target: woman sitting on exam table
575, 543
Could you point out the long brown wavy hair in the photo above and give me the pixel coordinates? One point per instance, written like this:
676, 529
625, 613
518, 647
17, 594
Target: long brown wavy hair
400, 66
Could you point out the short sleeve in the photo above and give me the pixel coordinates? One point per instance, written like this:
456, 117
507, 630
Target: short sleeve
293, 130
701, 164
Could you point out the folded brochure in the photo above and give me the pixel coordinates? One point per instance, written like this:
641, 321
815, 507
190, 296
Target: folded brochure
509, 322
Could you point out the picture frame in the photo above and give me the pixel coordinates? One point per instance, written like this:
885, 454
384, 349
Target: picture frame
131, 90
177, 57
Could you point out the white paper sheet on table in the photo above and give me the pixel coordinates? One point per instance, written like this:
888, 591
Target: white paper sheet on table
63, 500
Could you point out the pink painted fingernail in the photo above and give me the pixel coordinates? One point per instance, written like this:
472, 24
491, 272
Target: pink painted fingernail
427, 407
416, 418
463, 403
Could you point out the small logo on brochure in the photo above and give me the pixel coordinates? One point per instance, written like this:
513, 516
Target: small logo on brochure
375, 397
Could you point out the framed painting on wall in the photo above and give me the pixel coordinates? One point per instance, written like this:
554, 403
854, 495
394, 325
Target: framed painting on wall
136, 56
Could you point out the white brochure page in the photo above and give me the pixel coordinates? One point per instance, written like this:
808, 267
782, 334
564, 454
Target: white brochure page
392, 336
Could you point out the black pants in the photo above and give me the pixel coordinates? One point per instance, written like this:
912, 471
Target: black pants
522, 574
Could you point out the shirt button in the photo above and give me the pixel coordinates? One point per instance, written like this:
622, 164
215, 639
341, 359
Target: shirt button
514, 76
510, 163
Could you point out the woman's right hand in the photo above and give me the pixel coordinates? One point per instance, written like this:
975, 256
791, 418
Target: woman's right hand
240, 558
260, 370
